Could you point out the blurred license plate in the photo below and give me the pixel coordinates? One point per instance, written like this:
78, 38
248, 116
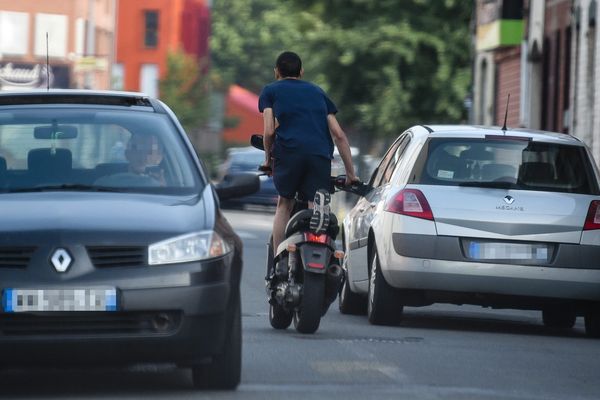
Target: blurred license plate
508, 251
27, 300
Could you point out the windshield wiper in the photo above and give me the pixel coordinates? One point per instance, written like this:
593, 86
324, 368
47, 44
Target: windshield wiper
489, 184
65, 186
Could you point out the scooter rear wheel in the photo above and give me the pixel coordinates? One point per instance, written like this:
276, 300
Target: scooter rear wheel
308, 316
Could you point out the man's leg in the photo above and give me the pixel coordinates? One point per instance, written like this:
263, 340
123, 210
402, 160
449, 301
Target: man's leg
282, 216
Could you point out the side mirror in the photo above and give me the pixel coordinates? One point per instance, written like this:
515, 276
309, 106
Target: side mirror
237, 185
257, 141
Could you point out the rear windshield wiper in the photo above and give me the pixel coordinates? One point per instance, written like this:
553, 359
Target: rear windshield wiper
66, 187
489, 184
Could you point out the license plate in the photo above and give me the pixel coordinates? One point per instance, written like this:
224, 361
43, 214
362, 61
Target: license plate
508, 251
31, 300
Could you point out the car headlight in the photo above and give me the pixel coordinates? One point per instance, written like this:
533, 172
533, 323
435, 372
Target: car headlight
191, 247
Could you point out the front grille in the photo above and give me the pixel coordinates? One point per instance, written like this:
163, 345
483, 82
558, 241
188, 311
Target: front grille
15, 257
90, 323
117, 256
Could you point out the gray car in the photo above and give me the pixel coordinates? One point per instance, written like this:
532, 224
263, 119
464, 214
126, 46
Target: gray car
473, 215
113, 249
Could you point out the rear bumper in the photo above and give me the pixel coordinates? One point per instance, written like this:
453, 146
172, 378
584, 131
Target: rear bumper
429, 271
449, 248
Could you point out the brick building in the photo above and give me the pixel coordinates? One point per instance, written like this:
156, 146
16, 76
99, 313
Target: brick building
499, 32
80, 43
148, 30
584, 119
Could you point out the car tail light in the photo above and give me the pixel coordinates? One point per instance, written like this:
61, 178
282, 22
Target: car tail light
410, 202
592, 221
311, 237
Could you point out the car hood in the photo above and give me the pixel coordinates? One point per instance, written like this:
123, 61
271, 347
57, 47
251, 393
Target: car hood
105, 217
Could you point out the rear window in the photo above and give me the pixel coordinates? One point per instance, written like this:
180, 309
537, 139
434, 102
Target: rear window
505, 163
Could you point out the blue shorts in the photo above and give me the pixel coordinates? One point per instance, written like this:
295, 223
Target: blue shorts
301, 173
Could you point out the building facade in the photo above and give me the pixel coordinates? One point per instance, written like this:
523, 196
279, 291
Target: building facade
555, 69
79, 47
585, 74
499, 33
148, 30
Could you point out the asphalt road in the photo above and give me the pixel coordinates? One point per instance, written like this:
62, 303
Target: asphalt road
438, 352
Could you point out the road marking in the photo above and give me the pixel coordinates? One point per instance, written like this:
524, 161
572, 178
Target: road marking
348, 367
246, 235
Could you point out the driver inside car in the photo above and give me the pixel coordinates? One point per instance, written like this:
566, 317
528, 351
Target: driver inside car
144, 154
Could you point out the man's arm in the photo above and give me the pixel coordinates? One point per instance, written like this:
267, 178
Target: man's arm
268, 132
341, 141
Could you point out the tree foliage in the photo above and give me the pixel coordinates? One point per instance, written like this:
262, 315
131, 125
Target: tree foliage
185, 89
387, 64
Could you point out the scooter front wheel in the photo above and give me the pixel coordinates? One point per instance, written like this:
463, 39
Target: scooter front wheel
279, 317
308, 315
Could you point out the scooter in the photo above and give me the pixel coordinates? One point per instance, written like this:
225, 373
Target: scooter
305, 272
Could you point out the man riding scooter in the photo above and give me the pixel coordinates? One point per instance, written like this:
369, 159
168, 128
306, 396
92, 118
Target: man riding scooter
299, 125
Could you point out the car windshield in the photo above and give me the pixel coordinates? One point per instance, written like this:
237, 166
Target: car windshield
93, 149
505, 163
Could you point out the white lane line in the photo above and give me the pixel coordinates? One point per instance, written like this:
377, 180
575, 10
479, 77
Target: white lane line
246, 235
350, 367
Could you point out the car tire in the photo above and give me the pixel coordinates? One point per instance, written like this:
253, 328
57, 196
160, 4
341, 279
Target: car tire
308, 316
383, 305
592, 323
559, 318
279, 317
224, 372
350, 302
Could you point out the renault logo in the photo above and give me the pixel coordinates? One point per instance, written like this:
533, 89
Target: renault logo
61, 260
509, 199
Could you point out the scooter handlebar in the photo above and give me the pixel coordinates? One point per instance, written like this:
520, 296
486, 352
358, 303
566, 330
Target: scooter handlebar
356, 187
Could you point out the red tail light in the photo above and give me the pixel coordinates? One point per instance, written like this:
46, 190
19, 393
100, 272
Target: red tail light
410, 202
592, 221
311, 237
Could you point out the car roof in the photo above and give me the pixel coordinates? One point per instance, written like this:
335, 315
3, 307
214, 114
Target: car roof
474, 131
79, 97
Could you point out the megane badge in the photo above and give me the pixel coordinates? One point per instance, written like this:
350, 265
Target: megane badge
61, 260
509, 199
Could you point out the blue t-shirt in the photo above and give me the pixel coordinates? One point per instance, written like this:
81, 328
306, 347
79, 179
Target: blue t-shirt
301, 108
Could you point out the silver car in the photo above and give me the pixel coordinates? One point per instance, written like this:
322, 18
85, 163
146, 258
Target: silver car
472, 215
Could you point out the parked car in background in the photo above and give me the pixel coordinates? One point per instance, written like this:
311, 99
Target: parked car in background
113, 248
471, 215
248, 159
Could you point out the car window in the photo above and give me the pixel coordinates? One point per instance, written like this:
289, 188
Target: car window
510, 163
395, 159
124, 150
383, 173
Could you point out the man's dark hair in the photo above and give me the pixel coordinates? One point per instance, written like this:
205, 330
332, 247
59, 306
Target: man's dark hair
289, 64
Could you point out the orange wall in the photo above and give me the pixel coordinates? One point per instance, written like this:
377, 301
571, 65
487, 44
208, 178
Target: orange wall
131, 52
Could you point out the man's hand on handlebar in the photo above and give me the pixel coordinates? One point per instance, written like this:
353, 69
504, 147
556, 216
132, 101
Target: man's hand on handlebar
266, 168
352, 180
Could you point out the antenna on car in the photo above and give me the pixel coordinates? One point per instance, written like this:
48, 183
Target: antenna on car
47, 65
506, 114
